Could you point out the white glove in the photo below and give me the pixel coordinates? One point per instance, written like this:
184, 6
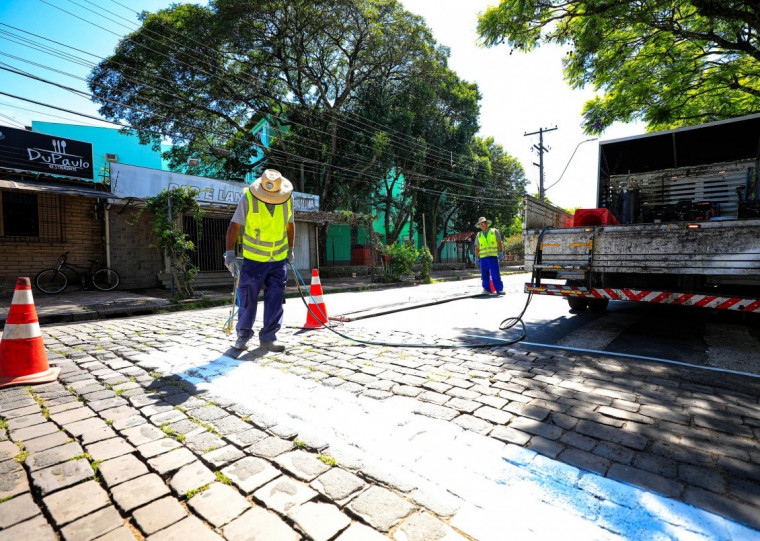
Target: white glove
230, 261
291, 257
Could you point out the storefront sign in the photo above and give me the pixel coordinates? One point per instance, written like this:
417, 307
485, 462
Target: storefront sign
23, 150
140, 183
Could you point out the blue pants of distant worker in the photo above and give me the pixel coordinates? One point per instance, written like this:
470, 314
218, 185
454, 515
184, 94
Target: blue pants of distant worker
489, 270
273, 275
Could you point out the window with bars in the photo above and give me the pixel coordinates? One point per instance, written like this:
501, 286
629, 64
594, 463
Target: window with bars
31, 217
209, 244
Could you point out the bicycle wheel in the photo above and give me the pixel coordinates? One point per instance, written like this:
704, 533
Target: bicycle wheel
51, 281
105, 279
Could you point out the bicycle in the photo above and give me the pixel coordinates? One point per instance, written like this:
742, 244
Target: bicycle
53, 281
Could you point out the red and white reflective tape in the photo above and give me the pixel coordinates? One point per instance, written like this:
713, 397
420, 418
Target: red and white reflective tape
317, 299
22, 296
740, 304
21, 331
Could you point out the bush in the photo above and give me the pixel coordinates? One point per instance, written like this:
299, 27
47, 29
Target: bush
401, 260
425, 261
513, 245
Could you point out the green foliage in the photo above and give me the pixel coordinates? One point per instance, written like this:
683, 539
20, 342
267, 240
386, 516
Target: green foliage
168, 235
425, 261
667, 62
513, 245
402, 257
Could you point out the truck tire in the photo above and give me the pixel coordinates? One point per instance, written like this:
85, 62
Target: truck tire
598, 305
577, 303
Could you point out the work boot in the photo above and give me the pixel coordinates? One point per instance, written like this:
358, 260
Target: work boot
273, 346
500, 293
241, 342
485, 292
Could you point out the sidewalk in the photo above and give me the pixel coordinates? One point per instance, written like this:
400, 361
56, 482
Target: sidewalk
78, 305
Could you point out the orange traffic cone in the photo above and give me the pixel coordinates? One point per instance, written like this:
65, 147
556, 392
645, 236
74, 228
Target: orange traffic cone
22, 354
493, 289
316, 315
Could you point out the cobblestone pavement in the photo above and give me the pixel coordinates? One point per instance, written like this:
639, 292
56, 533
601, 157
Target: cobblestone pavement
157, 430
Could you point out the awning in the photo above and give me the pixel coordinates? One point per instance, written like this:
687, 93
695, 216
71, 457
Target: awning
460, 237
54, 188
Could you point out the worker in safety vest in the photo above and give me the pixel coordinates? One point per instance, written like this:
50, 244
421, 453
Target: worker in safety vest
266, 214
489, 251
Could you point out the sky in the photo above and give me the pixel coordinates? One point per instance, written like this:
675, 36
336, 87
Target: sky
521, 92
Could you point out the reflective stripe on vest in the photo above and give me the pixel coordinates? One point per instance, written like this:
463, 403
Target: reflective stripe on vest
266, 236
487, 245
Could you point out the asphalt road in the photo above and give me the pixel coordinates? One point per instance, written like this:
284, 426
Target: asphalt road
684, 334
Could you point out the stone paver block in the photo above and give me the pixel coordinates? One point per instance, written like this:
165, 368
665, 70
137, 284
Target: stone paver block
360, 532
46, 442
230, 425
65, 407
219, 504
510, 435
73, 415
138, 492
435, 411
144, 433
203, 442
423, 527
208, 413
121, 469
119, 534
283, 493
8, 450
222, 457
107, 449
93, 525
13, 479
185, 530
25, 421
258, 524
20, 412
157, 447
61, 475
75, 502
16, 510
338, 485
301, 464
171, 461
32, 432
119, 412
56, 455
37, 529
87, 425
611, 434
129, 422
493, 415
99, 434
468, 422
250, 473
191, 477
319, 521
531, 426
270, 447
248, 437
158, 515
381, 508
582, 459
170, 416
156, 408
645, 479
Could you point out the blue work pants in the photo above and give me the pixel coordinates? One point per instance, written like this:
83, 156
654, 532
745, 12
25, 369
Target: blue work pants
273, 275
489, 270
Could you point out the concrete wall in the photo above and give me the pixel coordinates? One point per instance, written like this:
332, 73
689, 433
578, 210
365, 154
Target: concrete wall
82, 236
131, 256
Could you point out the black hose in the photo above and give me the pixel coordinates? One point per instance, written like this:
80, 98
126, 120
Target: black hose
501, 342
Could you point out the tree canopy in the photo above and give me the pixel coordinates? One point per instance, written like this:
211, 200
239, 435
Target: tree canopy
667, 62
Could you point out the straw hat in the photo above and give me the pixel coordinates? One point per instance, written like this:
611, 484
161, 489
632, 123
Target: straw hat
481, 220
271, 187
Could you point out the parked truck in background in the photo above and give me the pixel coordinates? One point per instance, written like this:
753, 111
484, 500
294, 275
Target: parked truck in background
678, 222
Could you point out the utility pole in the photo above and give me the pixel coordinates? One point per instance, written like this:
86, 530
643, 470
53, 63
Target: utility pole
541, 149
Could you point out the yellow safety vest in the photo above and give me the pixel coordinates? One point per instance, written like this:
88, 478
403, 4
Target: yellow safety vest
487, 245
266, 235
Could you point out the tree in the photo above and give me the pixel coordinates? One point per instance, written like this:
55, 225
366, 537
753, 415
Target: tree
206, 76
667, 62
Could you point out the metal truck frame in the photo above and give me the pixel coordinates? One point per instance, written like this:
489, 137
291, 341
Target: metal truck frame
710, 262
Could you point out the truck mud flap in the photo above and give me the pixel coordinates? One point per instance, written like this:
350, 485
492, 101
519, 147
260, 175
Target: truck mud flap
739, 304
